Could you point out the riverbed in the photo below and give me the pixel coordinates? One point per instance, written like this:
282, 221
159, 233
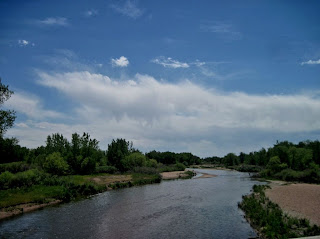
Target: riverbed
195, 208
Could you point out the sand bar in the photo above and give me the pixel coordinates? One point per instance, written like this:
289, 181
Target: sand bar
299, 200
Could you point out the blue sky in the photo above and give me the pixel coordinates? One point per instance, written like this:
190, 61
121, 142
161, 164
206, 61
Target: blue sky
207, 77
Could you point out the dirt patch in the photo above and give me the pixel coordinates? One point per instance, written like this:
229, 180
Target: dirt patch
22, 208
298, 200
174, 175
106, 180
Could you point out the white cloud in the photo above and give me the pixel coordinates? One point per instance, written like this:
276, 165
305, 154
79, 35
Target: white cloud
169, 62
54, 21
226, 31
186, 105
128, 9
23, 42
31, 106
121, 62
311, 62
170, 116
91, 13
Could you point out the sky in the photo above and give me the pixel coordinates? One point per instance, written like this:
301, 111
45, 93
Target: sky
206, 77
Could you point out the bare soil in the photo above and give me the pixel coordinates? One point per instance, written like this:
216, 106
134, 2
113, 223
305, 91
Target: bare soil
106, 180
299, 200
174, 175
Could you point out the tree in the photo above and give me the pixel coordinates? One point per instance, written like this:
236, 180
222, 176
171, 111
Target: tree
117, 151
7, 117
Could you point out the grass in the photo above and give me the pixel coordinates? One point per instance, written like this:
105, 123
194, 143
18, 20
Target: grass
34, 194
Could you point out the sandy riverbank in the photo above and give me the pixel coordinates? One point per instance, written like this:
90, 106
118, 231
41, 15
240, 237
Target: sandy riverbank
174, 175
298, 200
183, 174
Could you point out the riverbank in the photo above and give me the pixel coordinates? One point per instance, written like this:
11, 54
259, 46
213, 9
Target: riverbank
186, 174
269, 219
18, 201
299, 200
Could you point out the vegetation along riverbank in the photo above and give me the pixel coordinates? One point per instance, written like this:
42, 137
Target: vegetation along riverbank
270, 221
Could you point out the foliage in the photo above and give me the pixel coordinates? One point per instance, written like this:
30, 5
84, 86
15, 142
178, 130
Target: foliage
269, 219
133, 160
10, 151
22, 179
55, 164
106, 169
7, 117
172, 158
117, 151
15, 167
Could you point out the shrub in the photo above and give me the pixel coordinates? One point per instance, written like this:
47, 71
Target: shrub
180, 167
55, 164
5, 179
136, 159
106, 169
14, 167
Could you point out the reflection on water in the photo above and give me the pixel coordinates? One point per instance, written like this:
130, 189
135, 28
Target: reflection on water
196, 208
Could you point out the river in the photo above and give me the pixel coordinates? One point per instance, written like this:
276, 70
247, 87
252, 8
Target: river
193, 208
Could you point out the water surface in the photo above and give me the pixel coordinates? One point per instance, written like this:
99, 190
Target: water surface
195, 208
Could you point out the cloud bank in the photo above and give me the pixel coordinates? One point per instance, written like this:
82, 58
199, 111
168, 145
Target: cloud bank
168, 116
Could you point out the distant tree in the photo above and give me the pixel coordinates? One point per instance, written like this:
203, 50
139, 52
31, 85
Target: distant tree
231, 159
7, 117
117, 151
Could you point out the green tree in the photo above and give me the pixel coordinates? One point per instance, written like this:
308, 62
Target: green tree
117, 151
231, 159
7, 117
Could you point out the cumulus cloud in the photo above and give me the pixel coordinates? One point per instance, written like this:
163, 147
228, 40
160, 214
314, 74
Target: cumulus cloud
311, 62
186, 105
170, 63
120, 62
129, 9
31, 106
169, 116
54, 21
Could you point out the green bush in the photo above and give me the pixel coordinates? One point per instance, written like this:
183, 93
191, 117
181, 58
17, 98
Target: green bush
106, 169
135, 159
180, 167
55, 164
22, 179
5, 180
14, 167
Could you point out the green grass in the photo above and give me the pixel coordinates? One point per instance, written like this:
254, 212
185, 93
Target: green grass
38, 194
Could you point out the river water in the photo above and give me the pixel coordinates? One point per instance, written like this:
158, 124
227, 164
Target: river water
194, 208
